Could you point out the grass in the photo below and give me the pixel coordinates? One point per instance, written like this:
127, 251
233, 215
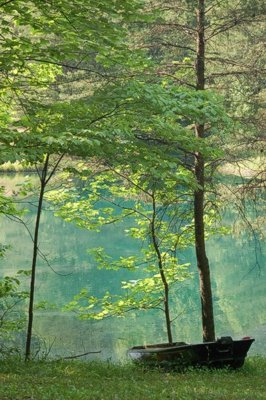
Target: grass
102, 381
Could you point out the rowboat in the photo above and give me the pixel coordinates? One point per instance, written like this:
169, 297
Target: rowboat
221, 353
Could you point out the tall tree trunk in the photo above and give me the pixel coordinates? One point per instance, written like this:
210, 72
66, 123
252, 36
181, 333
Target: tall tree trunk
202, 259
43, 180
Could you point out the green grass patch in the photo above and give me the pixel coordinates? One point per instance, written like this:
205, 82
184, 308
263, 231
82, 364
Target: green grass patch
101, 381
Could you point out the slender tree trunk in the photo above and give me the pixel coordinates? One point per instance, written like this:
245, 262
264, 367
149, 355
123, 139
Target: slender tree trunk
43, 180
162, 274
202, 260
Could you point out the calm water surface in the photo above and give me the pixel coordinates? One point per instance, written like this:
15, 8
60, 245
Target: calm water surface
238, 277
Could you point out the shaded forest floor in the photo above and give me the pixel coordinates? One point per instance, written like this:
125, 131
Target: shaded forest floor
101, 381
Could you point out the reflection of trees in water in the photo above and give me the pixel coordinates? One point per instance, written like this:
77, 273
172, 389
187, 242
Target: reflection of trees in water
12, 180
115, 335
239, 291
240, 288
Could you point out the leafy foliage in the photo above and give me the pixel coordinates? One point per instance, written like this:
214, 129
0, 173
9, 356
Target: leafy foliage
12, 316
150, 203
159, 208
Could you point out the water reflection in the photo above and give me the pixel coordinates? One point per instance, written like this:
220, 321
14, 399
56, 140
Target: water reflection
239, 291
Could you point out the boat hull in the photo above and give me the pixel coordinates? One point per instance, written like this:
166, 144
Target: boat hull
221, 353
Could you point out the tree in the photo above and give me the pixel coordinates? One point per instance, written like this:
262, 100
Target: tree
151, 200
157, 152
191, 47
203, 264
40, 42
202, 260
45, 175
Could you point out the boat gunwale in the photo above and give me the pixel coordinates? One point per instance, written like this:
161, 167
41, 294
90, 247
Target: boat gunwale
164, 348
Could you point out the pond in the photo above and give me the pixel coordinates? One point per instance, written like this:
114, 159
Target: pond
238, 278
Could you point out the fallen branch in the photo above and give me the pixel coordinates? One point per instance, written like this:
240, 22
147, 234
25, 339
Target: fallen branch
78, 355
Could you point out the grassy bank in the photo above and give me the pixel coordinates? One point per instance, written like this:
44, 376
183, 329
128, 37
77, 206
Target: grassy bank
96, 381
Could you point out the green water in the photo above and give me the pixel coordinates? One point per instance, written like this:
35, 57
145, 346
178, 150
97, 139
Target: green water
238, 276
